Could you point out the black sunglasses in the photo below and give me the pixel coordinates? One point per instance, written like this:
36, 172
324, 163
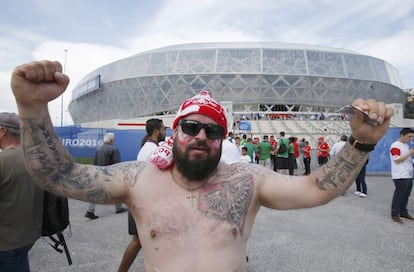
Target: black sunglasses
192, 128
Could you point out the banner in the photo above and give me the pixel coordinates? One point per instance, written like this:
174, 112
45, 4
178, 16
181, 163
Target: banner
83, 142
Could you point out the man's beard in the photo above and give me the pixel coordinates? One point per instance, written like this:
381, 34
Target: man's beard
201, 167
161, 137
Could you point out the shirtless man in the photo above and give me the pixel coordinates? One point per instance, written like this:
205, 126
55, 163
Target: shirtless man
195, 214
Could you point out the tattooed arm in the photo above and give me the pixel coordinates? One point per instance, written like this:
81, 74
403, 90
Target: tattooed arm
34, 85
334, 177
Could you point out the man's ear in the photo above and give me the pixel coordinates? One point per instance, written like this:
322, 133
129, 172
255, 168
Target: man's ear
3, 131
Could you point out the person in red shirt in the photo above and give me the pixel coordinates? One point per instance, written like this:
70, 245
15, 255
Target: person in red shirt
293, 166
273, 142
296, 145
323, 151
307, 157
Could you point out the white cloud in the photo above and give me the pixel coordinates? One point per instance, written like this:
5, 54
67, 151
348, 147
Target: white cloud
373, 27
81, 59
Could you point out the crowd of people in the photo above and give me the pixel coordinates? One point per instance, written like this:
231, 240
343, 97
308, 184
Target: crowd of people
192, 202
281, 154
284, 155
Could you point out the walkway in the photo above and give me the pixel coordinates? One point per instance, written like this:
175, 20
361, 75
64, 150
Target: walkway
348, 234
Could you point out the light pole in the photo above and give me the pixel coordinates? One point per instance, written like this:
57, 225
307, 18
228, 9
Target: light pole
61, 101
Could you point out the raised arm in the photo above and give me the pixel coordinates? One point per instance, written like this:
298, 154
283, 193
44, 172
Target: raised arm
34, 85
334, 177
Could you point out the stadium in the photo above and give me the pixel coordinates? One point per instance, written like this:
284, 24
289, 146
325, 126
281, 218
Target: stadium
257, 81
255, 77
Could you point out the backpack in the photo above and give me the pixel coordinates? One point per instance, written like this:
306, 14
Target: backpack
56, 220
282, 148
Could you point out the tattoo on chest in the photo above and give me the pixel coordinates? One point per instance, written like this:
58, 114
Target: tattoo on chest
227, 200
132, 171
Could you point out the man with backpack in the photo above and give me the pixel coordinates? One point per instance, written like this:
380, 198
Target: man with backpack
21, 200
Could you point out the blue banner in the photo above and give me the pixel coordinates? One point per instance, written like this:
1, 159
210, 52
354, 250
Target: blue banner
83, 142
245, 125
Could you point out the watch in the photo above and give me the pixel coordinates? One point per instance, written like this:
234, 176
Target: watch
360, 145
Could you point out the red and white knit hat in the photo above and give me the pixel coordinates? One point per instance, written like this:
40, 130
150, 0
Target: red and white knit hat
204, 104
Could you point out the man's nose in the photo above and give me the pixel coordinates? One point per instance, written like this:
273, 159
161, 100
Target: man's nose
202, 134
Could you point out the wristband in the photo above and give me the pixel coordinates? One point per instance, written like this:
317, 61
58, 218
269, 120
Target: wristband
360, 145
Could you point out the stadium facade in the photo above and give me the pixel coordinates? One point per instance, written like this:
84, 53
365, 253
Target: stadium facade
255, 76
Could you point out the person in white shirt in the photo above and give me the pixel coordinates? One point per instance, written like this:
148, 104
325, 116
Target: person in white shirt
230, 153
244, 157
402, 175
156, 132
338, 145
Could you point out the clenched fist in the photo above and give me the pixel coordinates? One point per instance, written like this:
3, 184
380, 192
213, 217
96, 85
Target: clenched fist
36, 83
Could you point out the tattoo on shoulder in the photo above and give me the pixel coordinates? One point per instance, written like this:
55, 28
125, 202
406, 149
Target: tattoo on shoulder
132, 170
242, 168
228, 200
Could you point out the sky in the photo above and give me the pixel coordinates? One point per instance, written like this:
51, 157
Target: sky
85, 35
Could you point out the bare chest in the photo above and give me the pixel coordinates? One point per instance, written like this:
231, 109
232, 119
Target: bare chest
217, 213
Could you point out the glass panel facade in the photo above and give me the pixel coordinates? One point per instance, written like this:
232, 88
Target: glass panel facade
240, 60
358, 66
155, 82
196, 61
288, 62
325, 63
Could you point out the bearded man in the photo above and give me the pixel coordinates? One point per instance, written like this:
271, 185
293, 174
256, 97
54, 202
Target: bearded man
193, 212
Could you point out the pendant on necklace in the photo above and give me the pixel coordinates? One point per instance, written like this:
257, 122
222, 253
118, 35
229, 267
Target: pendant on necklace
191, 197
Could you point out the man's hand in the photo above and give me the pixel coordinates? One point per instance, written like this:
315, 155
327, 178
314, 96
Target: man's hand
36, 83
377, 111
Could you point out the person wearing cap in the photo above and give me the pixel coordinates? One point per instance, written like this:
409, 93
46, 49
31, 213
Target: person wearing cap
21, 200
323, 151
193, 213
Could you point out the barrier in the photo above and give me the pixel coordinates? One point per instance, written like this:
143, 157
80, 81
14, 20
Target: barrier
83, 142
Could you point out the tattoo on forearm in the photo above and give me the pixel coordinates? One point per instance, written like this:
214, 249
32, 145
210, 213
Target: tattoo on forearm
54, 168
227, 200
343, 168
42, 154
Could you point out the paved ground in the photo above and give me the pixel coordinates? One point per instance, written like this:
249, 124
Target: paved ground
348, 234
